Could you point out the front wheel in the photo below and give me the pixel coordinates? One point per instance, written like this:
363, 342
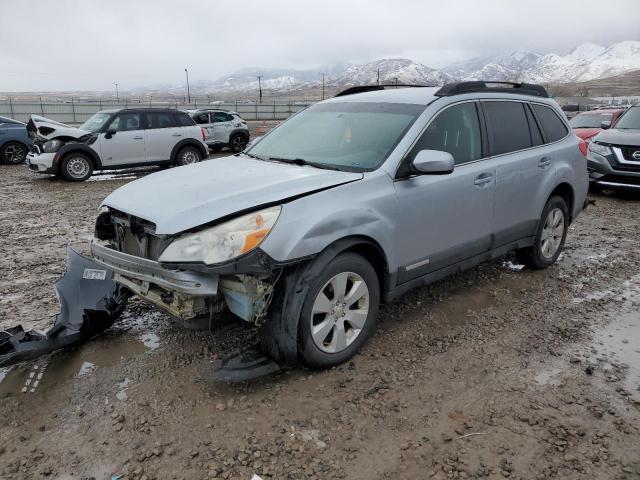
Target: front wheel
339, 311
188, 155
76, 167
550, 236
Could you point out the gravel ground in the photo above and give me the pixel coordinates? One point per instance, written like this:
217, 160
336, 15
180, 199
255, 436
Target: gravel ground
495, 373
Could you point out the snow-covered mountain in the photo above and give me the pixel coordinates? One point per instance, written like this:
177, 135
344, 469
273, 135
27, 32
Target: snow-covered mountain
585, 62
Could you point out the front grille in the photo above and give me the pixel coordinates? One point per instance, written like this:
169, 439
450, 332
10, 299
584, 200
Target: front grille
626, 153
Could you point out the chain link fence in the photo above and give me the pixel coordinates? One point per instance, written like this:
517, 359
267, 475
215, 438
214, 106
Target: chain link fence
73, 112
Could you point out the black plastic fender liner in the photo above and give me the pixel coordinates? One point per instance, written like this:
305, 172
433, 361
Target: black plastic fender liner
90, 301
243, 366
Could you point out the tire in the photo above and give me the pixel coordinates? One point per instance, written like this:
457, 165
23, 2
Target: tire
76, 167
13, 153
331, 332
188, 155
237, 143
550, 236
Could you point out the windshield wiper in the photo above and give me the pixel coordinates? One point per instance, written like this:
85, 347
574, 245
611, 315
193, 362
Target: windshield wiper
303, 162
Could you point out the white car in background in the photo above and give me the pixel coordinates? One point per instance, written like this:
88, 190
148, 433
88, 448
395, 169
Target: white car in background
223, 128
112, 139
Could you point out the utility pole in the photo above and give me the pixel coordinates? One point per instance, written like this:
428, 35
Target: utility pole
117, 96
378, 76
396, 78
260, 87
323, 86
188, 89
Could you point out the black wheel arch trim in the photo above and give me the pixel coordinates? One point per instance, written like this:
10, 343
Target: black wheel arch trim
188, 142
239, 131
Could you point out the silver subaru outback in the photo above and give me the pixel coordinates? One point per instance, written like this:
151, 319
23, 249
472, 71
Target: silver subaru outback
347, 205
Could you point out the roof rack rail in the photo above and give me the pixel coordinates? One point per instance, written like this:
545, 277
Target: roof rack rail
373, 88
458, 88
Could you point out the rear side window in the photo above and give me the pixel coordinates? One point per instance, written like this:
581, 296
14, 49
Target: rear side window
455, 130
202, 118
534, 129
554, 128
183, 120
160, 120
509, 128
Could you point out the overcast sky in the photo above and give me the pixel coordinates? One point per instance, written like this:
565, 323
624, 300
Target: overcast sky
89, 44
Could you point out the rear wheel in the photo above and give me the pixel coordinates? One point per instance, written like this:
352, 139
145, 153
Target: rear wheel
188, 155
13, 153
76, 167
550, 237
237, 143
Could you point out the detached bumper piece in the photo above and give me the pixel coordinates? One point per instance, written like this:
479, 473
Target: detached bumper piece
90, 301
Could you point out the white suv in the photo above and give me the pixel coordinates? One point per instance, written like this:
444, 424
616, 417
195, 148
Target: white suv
222, 128
114, 139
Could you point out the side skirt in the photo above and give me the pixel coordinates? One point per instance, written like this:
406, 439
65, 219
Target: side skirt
399, 290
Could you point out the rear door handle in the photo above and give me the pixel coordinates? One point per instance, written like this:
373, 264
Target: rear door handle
177, 134
483, 179
544, 162
137, 138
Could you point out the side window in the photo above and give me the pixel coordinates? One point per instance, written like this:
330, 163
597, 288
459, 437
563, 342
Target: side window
509, 129
220, 117
202, 118
160, 120
125, 122
455, 130
554, 128
534, 129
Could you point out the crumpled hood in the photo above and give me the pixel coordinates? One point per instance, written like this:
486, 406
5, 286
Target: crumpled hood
182, 198
47, 129
614, 136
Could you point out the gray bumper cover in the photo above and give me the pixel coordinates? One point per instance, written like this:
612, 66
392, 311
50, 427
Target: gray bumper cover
145, 270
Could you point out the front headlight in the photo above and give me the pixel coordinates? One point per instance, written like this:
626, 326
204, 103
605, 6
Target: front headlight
599, 149
52, 146
223, 242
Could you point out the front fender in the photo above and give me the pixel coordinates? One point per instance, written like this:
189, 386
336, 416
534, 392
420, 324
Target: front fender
77, 147
365, 208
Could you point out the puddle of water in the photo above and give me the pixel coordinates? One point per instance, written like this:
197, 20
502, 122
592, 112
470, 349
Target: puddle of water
83, 361
619, 343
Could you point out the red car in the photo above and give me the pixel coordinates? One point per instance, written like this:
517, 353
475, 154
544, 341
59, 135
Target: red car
587, 125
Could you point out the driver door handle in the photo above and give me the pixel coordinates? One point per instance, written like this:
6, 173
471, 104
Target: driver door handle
483, 179
544, 162
177, 134
137, 137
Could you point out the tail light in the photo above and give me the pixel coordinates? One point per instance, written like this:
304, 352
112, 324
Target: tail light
204, 135
584, 147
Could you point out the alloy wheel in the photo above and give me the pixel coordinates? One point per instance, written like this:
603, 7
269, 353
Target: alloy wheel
552, 233
14, 154
339, 312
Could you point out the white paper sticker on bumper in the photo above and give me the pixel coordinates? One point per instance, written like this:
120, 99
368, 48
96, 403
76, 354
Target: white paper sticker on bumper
94, 274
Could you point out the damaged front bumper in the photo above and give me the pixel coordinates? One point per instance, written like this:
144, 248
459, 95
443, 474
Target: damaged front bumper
42, 162
90, 301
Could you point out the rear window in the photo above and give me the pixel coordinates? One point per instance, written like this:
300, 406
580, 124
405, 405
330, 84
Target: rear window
509, 128
554, 129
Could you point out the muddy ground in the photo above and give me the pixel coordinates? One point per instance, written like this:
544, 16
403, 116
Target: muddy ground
494, 373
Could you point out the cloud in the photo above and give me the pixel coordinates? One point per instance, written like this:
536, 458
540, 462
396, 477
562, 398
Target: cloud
89, 44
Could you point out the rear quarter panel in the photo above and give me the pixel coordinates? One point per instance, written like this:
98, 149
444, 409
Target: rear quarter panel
571, 168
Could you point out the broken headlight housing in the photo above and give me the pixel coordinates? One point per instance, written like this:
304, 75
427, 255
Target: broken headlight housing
52, 146
223, 242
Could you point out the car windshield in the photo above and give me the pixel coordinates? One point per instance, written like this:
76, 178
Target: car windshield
352, 136
630, 120
590, 120
96, 122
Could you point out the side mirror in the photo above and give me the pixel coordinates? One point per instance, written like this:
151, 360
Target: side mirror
605, 125
434, 162
110, 133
